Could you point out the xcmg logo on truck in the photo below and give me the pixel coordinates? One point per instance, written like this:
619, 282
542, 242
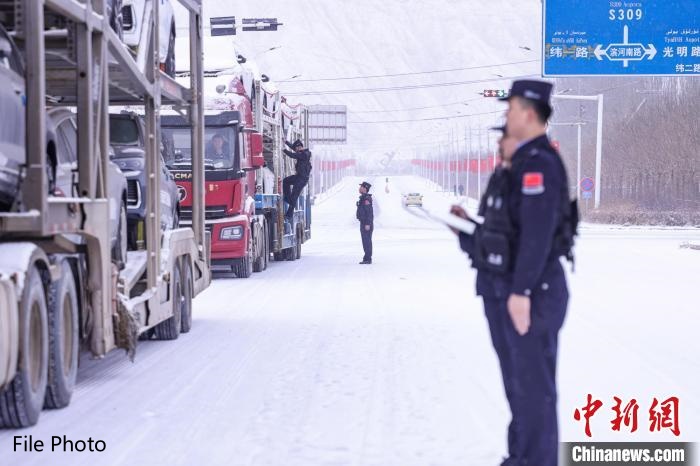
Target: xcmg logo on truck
182, 176
181, 193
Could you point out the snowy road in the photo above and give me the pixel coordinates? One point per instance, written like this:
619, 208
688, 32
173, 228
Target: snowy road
325, 362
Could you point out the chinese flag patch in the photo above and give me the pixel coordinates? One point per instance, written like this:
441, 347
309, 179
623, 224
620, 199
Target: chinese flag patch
533, 183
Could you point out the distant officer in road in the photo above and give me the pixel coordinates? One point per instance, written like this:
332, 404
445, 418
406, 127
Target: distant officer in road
528, 225
365, 214
293, 185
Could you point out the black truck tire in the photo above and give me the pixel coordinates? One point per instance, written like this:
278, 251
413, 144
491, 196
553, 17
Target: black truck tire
63, 339
187, 293
121, 245
300, 235
266, 246
244, 267
22, 400
169, 329
259, 262
290, 254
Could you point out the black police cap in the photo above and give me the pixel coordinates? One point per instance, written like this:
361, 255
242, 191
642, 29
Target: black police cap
537, 91
297, 143
366, 185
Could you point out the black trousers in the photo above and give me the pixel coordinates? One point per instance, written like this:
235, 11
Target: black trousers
498, 319
292, 186
367, 241
528, 367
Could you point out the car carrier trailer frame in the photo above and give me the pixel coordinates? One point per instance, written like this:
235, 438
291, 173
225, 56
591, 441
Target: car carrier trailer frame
58, 283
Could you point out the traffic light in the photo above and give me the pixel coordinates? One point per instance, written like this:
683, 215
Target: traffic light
500, 93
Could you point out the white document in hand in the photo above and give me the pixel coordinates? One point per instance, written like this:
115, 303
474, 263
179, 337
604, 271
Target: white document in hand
451, 220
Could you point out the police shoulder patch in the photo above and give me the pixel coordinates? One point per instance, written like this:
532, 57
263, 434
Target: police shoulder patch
533, 183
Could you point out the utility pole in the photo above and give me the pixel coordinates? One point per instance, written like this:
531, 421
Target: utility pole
469, 153
478, 168
599, 137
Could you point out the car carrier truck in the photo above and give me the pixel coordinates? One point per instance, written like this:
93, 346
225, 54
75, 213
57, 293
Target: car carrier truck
61, 289
245, 132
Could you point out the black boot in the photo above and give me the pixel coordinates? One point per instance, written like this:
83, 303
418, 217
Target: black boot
366, 261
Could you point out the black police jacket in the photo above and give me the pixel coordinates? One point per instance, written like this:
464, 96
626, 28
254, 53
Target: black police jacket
539, 196
494, 209
365, 212
303, 161
537, 193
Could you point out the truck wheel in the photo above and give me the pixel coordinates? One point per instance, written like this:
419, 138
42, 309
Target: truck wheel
21, 401
266, 246
170, 329
298, 247
244, 267
121, 246
187, 293
63, 339
279, 256
258, 263
290, 254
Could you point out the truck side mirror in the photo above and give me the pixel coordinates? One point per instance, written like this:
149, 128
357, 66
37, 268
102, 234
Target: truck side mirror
256, 147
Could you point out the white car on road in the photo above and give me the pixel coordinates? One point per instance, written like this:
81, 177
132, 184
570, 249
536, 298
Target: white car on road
415, 199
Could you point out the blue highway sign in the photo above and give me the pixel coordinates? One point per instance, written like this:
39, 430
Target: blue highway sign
621, 37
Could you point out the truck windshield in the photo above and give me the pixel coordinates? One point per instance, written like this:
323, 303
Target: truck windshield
219, 147
123, 131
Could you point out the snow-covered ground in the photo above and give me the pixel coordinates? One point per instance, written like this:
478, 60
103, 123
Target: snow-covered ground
325, 362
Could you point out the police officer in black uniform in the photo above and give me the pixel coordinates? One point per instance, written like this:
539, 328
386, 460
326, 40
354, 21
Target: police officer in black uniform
490, 284
529, 223
293, 185
365, 214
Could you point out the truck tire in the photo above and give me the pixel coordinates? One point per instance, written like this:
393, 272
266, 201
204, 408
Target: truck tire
21, 401
266, 246
297, 250
169, 329
244, 267
258, 263
187, 293
290, 254
63, 339
121, 244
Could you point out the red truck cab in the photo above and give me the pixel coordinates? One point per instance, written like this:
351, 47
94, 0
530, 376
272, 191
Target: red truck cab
232, 153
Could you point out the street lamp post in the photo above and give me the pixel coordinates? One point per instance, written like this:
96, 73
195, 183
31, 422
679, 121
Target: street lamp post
578, 125
599, 137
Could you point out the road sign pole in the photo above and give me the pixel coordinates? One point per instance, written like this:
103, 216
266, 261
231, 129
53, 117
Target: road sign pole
469, 159
598, 151
599, 137
578, 163
478, 167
